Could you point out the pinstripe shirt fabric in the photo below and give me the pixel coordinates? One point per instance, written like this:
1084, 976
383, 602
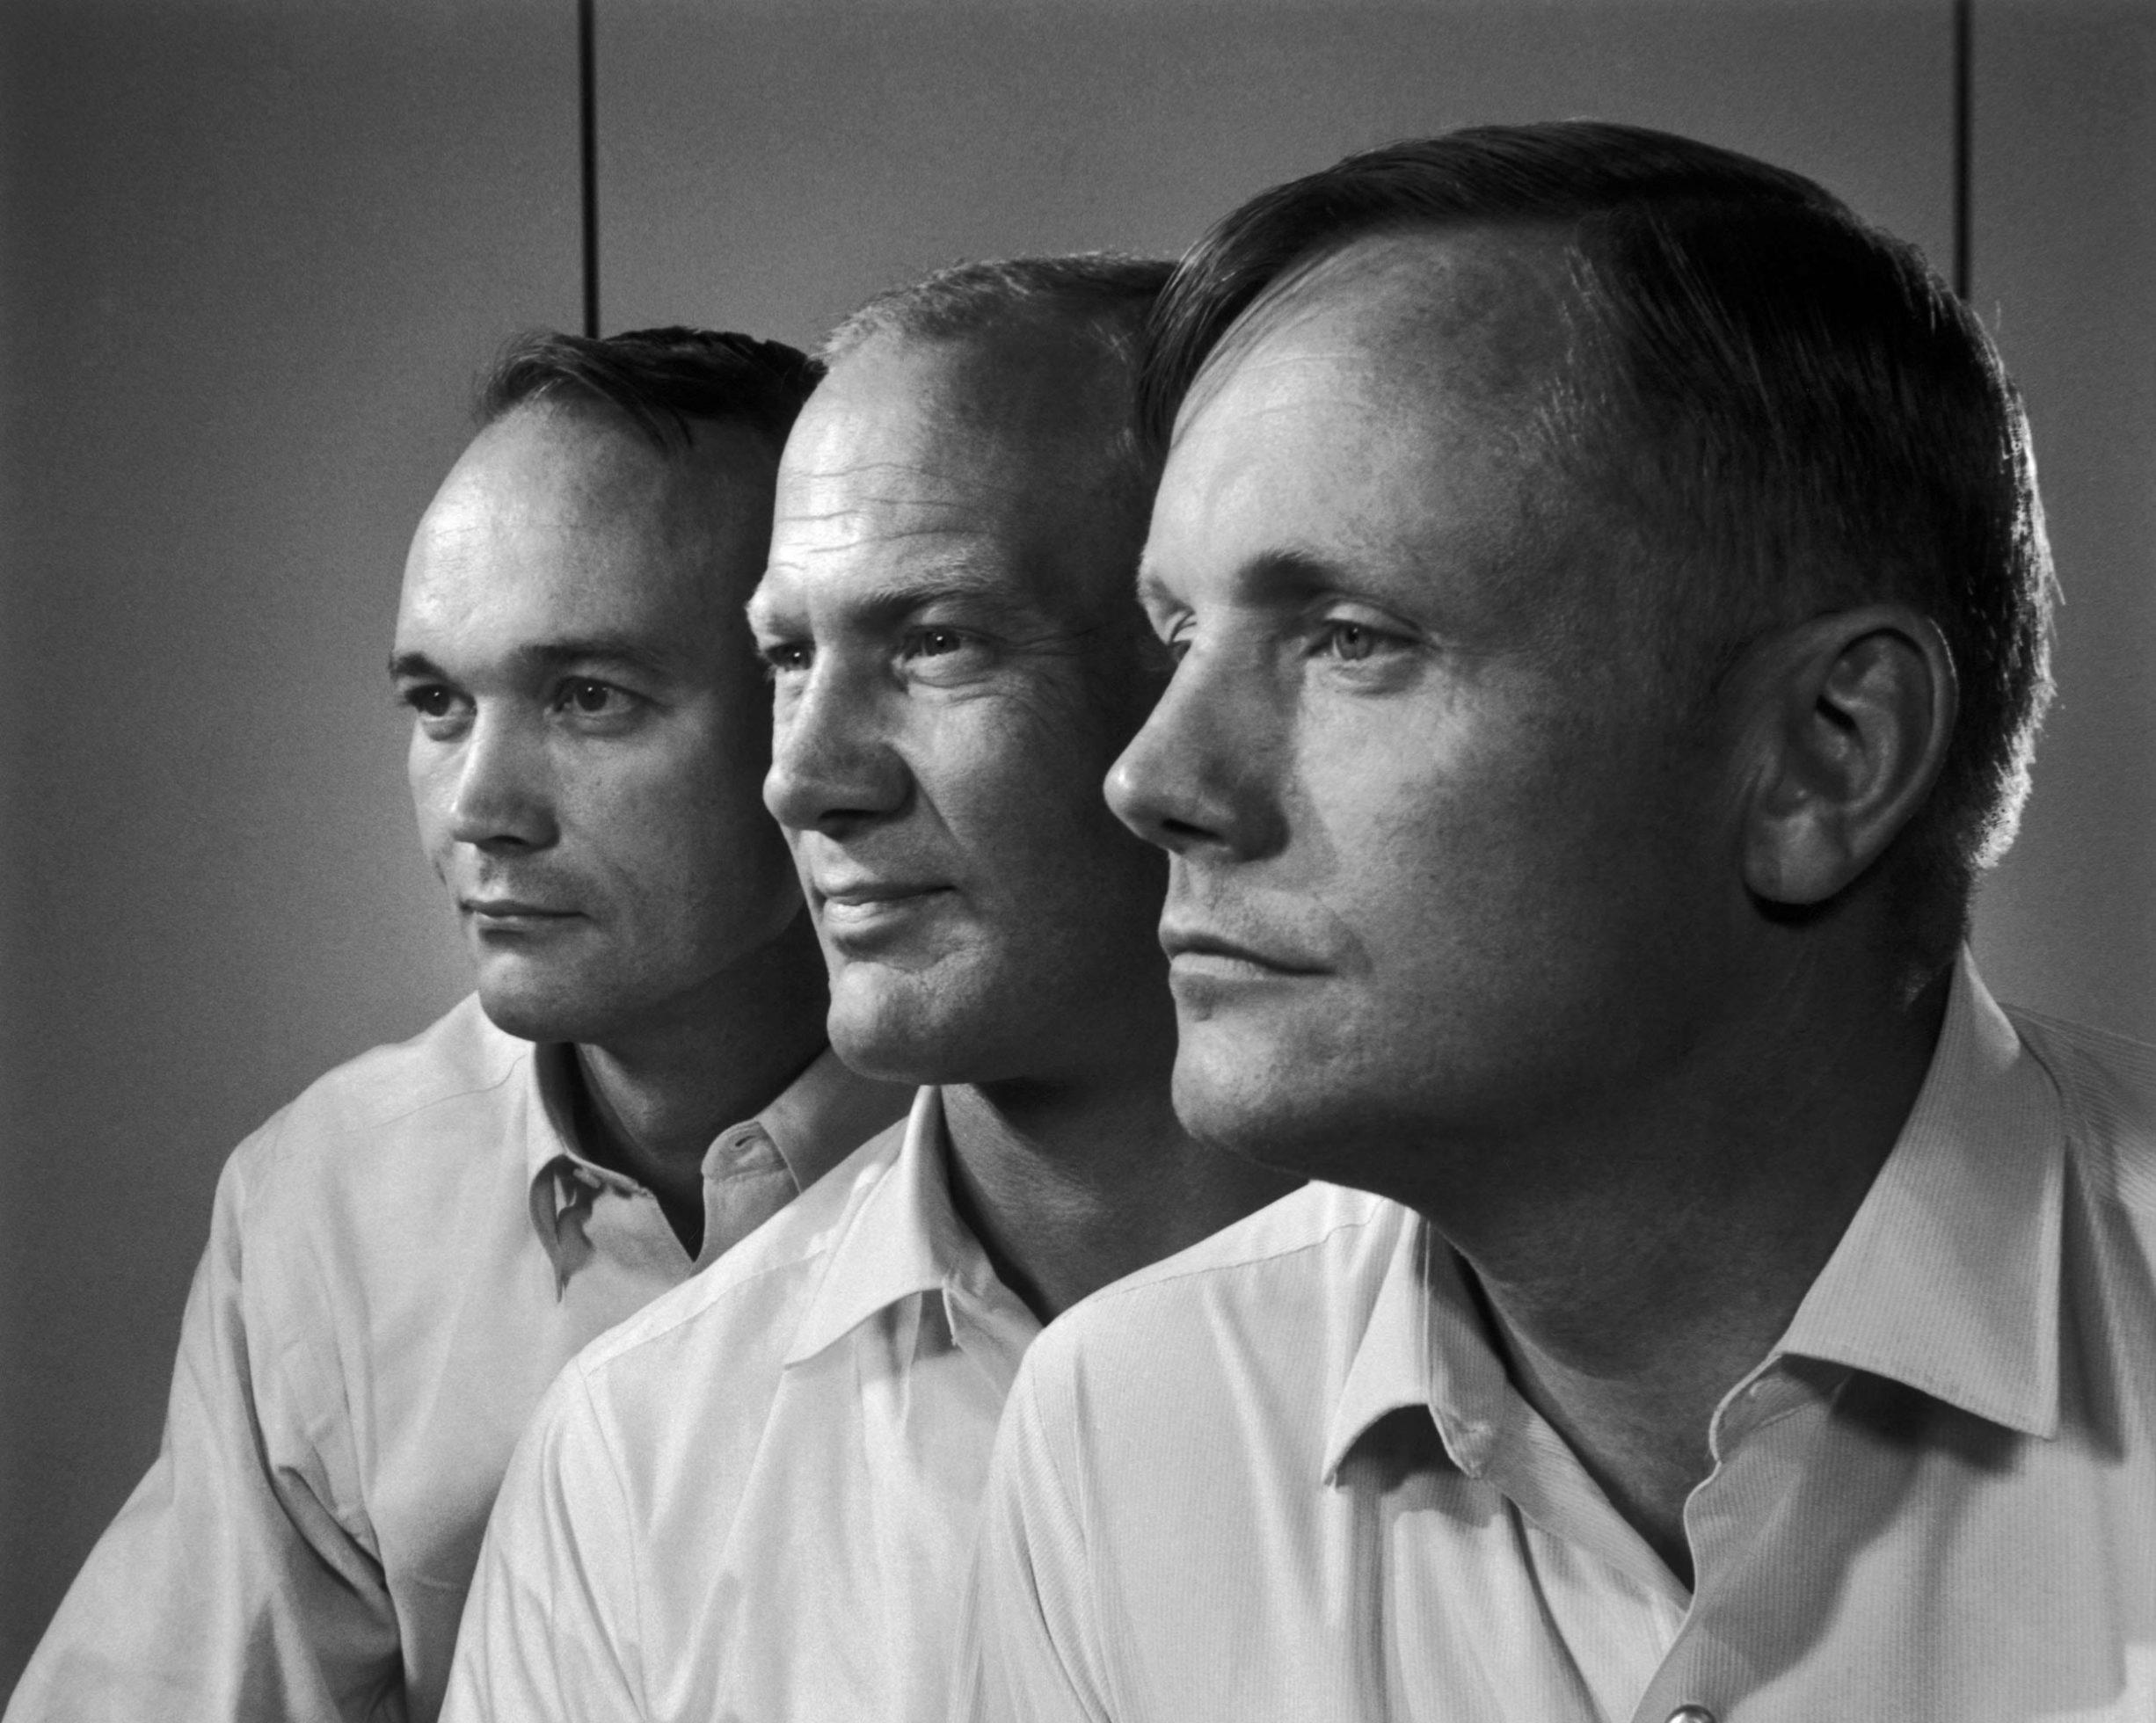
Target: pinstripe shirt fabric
1284, 1475
755, 1499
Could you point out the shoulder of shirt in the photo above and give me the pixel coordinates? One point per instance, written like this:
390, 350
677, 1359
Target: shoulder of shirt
782, 1260
355, 1111
1303, 1223
2107, 1084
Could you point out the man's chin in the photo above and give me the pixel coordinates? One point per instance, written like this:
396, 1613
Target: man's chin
1233, 1097
902, 1027
537, 1009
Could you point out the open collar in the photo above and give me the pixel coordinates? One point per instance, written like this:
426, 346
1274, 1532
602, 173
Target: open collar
824, 1115
900, 1238
1424, 1346
1947, 1278
814, 1123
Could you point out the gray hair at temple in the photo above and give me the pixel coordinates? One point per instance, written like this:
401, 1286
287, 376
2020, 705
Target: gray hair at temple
1773, 409
663, 382
1105, 297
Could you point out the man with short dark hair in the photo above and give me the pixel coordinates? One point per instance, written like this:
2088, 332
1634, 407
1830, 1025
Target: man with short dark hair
401, 1260
1610, 601
756, 1499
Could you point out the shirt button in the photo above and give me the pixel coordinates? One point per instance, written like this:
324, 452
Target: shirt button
1691, 1714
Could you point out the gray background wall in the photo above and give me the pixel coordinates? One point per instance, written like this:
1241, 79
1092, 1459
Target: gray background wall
252, 254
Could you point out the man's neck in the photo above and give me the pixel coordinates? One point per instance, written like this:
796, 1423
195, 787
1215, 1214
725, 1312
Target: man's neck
653, 1097
1631, 1291
1070, 1186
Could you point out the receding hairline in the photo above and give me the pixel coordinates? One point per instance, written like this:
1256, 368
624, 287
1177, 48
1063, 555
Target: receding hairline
1517, 325
1112, 293
715, 439
1037, 384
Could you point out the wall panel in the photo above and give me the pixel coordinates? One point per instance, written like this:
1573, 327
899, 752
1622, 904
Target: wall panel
2064, 235
772, 164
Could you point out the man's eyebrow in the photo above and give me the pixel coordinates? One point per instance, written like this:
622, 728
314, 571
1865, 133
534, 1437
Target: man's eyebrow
1289, 572
1281, 573
895, 596
765, 613
619, 650
415, 667
883, 601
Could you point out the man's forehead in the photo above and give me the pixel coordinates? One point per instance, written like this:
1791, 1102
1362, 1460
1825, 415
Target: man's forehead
917, 456
1000, 409
554, 523
545, 466
1438, 318
1381, 421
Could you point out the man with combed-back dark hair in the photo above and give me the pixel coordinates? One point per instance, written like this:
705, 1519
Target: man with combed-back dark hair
401, 1260
755, 1499
1610, 602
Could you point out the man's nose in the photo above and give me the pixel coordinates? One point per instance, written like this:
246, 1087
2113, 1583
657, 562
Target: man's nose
1199, 776
501, 795
833, 764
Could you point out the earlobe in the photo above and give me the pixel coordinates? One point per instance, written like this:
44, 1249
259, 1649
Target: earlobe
1856, 710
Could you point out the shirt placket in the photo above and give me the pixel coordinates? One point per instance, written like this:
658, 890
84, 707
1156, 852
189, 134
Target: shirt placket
1717, 1658
1614, 1609
623, 1222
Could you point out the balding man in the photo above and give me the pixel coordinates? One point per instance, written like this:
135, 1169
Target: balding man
401, 1260
1610, 596
756, 1499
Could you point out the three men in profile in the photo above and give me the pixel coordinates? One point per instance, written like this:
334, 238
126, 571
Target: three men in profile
1607, 602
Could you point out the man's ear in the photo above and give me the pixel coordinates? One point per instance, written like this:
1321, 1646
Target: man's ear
1851, 714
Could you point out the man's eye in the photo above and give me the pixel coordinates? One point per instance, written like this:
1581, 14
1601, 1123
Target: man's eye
942, 653
590, 699
937, 642
788, 658
430, 701
1350, 642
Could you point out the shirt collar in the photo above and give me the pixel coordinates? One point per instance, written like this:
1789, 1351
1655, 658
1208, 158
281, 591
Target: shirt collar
901, 1239
1424, 1346
550, 1128
1948, 1278
824, 1115
814, 1123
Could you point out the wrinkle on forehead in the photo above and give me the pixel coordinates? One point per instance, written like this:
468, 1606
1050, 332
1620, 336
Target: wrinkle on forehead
1000, 412
997, 451
895, 506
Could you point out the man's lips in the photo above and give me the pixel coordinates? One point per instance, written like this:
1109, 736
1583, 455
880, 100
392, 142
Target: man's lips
858, 903
1195, 951
514, 912
875, 892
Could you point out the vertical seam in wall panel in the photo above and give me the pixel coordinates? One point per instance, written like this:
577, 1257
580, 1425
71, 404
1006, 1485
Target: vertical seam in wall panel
587, 163
1964, 45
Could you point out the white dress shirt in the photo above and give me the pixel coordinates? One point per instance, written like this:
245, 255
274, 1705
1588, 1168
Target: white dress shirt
755, 1499
399, 1263
1284, 1475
